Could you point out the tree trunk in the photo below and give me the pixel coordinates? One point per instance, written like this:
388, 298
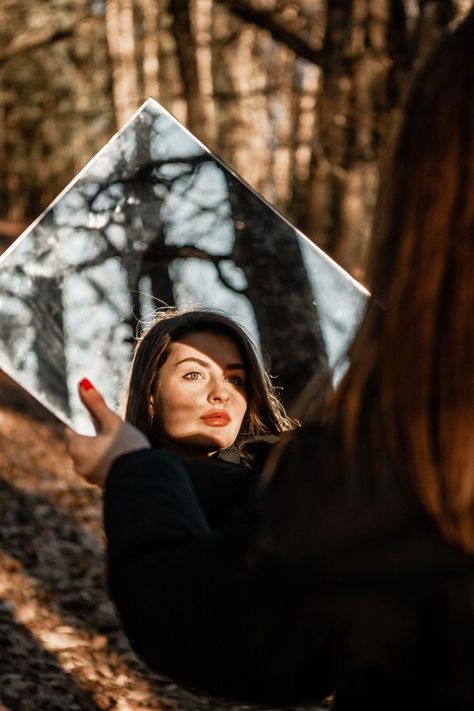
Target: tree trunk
352, 109
150, 48
187, 50
121, 42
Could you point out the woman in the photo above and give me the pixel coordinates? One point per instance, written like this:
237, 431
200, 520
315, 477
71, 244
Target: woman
353, 571
197, 389
184, 335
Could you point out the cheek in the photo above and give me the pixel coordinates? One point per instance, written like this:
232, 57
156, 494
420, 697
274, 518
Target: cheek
175, 408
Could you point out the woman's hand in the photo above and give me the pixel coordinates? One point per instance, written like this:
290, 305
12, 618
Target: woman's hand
93, 456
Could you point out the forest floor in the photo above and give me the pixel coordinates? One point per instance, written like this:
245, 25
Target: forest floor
61, 646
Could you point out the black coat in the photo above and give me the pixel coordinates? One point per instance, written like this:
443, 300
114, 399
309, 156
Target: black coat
222, 486
325, 583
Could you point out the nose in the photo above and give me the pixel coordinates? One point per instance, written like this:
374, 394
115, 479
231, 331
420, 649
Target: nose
218, 392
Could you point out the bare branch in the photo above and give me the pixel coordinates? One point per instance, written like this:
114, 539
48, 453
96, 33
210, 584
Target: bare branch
188, 251
226, 282
184, 251
28, 40
28, 43
266, 20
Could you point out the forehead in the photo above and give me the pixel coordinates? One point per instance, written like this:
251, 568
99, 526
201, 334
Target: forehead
217, 347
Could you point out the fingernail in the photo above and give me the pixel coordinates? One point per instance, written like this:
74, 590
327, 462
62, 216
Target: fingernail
86, 384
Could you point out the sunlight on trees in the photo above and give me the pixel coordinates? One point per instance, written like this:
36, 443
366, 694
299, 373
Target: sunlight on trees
297, 97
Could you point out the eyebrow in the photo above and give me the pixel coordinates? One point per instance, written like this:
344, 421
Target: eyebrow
205, 364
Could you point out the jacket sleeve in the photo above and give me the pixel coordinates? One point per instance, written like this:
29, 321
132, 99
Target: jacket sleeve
206, 609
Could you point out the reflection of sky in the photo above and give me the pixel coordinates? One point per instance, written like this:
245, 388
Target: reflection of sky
94, 332
197, 284
17, 333
338, 301
72, 210
197, 212
120, 151
170, 140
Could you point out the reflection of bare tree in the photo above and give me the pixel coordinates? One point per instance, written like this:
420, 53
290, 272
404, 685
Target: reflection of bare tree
145, 211
139, 192
132, 225
48, 343
267, 250
46, 309
37, 306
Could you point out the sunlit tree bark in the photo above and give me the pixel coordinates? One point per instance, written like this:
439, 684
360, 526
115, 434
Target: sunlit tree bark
121, 41
297, 96
187, 53
150, 48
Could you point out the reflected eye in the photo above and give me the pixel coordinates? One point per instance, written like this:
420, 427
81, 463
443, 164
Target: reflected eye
236, 380
193, 375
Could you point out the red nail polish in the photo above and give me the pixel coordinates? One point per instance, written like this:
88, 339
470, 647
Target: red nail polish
86, 384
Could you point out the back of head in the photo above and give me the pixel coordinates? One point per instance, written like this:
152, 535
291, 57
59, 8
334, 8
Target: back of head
410, 387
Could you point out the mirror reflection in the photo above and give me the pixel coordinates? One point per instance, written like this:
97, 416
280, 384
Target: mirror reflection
156, 219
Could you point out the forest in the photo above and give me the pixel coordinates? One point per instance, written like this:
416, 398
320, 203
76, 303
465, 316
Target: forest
299, 98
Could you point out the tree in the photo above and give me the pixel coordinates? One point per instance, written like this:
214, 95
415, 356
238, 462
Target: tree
298, 97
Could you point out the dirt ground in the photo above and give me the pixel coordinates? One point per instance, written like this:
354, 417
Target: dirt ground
61, 646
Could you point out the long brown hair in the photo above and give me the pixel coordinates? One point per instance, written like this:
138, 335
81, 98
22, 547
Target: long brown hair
410, 388
265, 414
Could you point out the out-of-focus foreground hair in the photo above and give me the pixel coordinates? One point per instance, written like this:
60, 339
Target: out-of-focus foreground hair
409, 391
265, 414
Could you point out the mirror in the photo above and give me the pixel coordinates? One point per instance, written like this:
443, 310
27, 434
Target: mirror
154, 219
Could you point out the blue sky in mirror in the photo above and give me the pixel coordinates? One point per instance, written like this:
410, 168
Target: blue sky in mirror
154, 219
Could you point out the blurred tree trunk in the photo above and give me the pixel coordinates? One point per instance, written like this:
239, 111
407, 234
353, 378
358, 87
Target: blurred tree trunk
350, 104
150, 48
121, 41
297, 96
187, 54
370, 49
241, 85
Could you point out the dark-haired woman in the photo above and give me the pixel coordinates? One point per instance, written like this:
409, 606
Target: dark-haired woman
198, 390
353, 572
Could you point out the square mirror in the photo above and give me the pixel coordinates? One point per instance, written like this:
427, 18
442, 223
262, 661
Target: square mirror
156, 219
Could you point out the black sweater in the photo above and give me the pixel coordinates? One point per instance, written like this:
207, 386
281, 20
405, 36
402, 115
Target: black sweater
221, 487
325, 583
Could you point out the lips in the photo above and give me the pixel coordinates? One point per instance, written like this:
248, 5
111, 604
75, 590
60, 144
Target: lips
216, 418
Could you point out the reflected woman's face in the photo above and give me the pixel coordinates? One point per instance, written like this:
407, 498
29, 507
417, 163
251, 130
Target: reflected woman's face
201, 399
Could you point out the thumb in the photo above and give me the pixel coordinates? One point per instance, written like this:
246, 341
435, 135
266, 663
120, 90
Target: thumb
75, 441
103, 417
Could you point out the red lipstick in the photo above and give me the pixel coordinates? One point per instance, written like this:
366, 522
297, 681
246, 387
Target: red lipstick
216, 418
